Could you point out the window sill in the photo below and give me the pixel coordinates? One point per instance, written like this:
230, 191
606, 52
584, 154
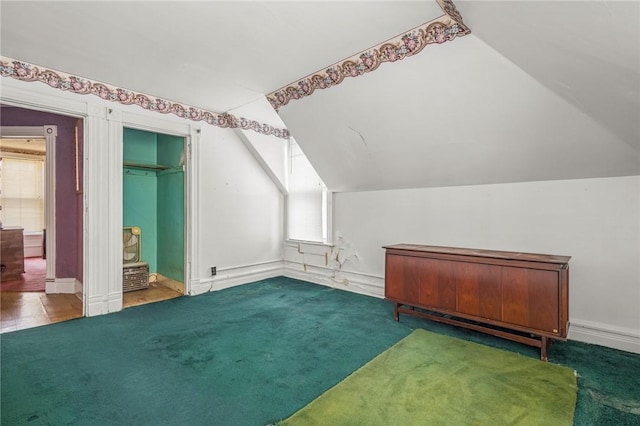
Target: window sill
297, 243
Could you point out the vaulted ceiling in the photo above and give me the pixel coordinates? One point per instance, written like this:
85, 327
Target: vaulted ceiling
539, 90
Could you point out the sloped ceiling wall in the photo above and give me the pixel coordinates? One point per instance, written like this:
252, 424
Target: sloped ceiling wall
587, 52
540, 90
550, 101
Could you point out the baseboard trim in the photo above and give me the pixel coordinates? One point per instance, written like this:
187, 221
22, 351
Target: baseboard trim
354, 282
61, 286
237, 275
624, 339
98, 305
78, 289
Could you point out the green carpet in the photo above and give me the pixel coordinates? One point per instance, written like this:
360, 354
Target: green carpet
428, 378
249, 355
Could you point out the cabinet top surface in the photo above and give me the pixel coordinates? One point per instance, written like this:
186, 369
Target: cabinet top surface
531, 257
12, 228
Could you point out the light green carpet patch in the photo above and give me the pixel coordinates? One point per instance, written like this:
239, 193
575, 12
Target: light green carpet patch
428, 378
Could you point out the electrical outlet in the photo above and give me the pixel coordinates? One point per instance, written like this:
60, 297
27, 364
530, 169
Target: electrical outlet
213, 270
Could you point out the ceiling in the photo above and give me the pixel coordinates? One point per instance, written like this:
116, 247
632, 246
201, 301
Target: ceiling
216, 55
539, 90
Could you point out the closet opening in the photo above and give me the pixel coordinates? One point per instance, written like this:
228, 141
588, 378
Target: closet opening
153, 216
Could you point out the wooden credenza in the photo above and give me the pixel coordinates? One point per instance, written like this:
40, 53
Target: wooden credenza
519, 296
11, 253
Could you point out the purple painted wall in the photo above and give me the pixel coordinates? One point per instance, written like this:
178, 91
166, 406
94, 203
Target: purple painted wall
68, 202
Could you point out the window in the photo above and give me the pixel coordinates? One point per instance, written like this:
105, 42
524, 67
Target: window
307, 201
22, 193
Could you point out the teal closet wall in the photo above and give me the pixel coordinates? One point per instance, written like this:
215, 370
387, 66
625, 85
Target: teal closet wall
139, 189
153, 199
171, 208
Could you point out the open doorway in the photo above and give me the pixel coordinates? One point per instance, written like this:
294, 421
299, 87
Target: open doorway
153, 217
41, 256
23, 211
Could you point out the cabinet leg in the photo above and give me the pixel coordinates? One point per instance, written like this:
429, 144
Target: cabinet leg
396, 315
544, 344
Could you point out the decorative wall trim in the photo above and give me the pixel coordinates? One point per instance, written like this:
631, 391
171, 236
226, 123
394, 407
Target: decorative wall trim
445, 28
24, 71
112, 195
50, 135
192, 199
98, 263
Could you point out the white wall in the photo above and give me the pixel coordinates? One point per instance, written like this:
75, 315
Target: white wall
270, 152
596, 221
455, 114
241, 210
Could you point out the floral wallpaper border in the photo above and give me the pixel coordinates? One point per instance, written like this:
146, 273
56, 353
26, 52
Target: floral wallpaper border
27, 72
440, 30
445, 28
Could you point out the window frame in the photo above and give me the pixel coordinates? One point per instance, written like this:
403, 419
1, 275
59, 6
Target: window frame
327, 203
32, 158
327, 214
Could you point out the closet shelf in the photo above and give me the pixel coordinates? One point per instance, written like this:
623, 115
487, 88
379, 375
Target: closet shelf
146, 166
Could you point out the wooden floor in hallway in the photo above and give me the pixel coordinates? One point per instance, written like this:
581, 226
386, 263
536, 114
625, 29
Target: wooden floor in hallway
21, 310
33, 309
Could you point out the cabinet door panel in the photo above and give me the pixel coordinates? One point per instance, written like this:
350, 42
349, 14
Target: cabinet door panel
530, 298
515, 296
402, 277
479, 290
544, 309
437, 286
